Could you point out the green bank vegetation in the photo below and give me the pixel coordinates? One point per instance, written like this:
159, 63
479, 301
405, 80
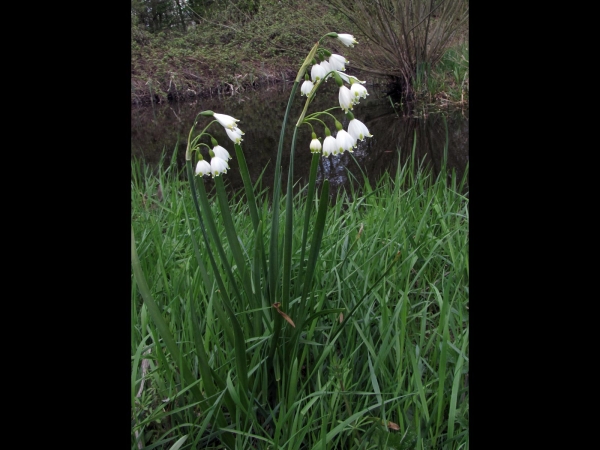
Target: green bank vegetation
187, 48
384, 356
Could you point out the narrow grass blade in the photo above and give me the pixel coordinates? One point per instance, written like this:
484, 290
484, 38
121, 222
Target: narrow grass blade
158, 319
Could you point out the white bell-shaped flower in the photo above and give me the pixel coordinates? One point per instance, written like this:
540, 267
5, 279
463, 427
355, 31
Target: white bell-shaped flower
317, 72
347, 39
358, 130
226, 121
221, 152
315, 146
202, 168
345, 98
358, 91
218, 166
327, 68
235, 134
306, 87
329, 146
344, 141
337, 62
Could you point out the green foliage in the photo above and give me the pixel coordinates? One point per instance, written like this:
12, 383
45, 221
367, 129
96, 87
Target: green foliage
400, 359
227, 49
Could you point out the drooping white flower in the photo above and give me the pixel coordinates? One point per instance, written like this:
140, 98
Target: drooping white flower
317, 72
329, 146
358, 91
347, 39
235, 134
345, 98
358, 130
202, 168
315, 146
337, 62
327, 68
226, 121
306, 87
350, 79
218, 166
344, 141
221, 152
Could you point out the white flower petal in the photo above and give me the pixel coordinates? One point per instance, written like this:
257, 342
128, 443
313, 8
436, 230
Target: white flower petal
345, 98
337, 62
218, 166
226, 121
358, 91
358, 130
221, 152
315, 146
327, 68
329, 146
306, 87
347, 39
235, 135
317, 72
344, 141
202, 168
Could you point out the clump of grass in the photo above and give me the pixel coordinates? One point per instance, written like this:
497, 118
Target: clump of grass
383, 359
448, 83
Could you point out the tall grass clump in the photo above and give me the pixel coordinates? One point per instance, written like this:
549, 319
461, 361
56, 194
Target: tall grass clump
291, 321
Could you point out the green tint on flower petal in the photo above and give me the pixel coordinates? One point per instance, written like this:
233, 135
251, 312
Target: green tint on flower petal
329, 146
235, 135
358, 90
218, 166
202, 168
358, 130
345, 97
347, 39
337, 62
344, 141
317, 72
315, 146
226, 121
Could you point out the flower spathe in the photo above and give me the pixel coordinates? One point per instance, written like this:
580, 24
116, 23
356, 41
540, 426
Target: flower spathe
315, 146
306, 87
347, 39
358, 130
202, 168
226, 121
218, 166
346, 99
329, 146
337, 62
221, 152
235, 134
317, 72
344, 141
358, 91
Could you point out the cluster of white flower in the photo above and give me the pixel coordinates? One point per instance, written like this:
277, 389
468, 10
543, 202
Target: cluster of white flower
219, 155
348, 97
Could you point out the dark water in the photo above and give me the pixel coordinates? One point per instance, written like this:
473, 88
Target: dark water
159, 128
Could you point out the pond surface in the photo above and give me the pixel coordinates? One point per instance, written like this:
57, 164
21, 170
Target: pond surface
158, 128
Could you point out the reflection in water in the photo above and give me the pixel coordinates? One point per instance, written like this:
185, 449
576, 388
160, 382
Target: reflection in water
261, 114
